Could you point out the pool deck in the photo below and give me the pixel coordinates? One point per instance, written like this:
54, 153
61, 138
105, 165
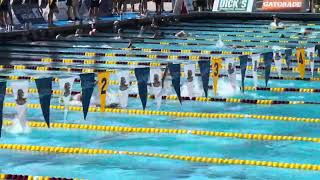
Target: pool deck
134, 19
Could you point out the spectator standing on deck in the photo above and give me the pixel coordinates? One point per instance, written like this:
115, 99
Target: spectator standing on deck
158, 6
53, 8
94, 8
73, 10
4, 12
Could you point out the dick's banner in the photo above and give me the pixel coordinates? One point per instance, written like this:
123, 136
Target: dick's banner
233, 5
283, 5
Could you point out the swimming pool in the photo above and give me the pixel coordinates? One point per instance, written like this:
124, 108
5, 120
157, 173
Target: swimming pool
231, 130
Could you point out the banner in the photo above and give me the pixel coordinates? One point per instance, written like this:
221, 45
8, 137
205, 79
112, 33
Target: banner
255, 63
284, 5
155, 80
288, 53
310, 56
26, 13
267, 58
103, 79
44, 86
3, 86
175, 74
205, 74
124, 80
65, 85
216, 67
243, 67
142, 75
301, 58
189, 73
87, 85
277, 61
233, 5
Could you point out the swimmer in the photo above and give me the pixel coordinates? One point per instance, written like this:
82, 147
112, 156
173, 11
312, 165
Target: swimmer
130, 45
141, 31
181, 34
276, 24
123, 84
156, 81
20, 123
120, 34
93, 29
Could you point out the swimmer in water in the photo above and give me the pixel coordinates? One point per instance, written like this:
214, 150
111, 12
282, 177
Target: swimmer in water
181, 34
123, 84
156, 81
276, 24
20, 123
130, 44
93, 29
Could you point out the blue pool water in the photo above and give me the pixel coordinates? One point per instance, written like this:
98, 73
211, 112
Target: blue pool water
135, 167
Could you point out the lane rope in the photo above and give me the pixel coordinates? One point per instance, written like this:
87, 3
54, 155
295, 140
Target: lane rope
198, 159
175, 113
30, 177
143, 130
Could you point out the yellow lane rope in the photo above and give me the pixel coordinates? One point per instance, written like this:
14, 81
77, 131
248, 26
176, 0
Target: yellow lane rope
199, 159
143, 130
175, 113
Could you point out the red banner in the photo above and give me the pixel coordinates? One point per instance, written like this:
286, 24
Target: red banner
283, 5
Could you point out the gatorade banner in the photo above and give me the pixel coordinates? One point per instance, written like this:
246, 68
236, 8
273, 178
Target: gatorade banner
155, 80
267, 58
44, 86
301, 58
142, 75
243, 67
288, 53
87, 85
233, 5
255, 63
284, 5
175, 74
231, 70
26, 13
189, 73
205, 74
216, 67
124, 80
277, 61
3, 86
310, 56
65, 85
103, 79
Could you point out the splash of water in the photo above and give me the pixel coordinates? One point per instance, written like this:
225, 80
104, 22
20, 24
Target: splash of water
219, 43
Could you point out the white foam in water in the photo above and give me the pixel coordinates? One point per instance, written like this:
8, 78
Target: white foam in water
219, 43
16, 128
225, 89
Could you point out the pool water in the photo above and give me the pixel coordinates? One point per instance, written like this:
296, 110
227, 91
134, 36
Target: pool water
204, 34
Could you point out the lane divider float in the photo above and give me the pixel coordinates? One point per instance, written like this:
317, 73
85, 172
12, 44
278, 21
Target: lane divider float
176, 113
198, 159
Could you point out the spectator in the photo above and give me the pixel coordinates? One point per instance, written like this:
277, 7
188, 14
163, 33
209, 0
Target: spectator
158, 6
4, 12
73, 10
53, 8
94, 8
